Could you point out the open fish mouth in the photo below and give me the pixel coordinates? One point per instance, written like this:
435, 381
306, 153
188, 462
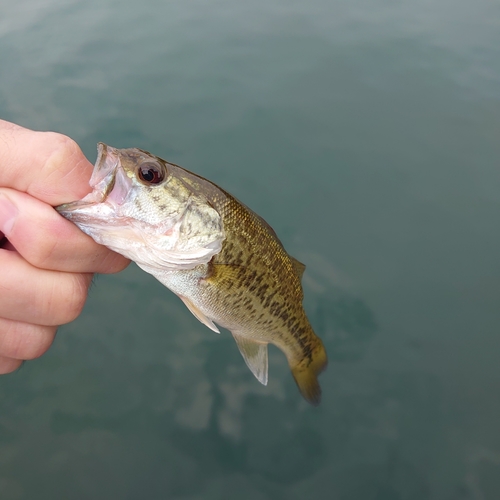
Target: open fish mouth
110, 187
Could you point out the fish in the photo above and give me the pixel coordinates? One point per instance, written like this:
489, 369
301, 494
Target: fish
223, 261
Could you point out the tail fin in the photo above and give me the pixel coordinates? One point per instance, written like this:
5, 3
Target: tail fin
306, 372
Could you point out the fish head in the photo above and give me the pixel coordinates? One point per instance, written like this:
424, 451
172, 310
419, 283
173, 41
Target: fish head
148, 210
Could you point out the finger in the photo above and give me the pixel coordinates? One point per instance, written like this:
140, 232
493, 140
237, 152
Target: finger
47, 165
49, 241
9, 365
39, 296
20, 340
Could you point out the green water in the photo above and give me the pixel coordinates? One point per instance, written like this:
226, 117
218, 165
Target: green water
367, 134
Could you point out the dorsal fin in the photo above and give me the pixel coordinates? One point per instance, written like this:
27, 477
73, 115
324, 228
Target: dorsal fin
199, 315
298, 267
255, 356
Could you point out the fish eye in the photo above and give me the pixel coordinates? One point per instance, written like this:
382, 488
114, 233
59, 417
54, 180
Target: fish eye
151, 173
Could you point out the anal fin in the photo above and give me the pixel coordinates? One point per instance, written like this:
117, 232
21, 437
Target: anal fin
255, 356
199, 315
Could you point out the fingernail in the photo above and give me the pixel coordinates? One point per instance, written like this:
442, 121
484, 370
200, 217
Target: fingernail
8, 214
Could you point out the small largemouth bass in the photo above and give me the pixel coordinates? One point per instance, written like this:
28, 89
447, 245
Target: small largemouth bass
223, 260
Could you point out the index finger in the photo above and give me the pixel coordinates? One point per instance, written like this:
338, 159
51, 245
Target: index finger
47, 165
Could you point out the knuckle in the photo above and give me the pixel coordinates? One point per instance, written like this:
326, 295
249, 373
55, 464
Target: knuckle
62, 146
62, 149
38, 344
26, 341
67, 297
75, 297
63, 160
43, 254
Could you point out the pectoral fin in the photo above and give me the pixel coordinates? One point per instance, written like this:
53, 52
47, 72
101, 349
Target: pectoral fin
199, 315
255, 356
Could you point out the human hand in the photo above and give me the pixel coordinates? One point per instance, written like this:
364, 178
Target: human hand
46, 262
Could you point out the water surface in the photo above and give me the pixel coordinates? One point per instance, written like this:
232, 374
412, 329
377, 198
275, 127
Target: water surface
367, 134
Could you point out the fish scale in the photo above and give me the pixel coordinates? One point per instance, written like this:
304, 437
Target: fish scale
223, 260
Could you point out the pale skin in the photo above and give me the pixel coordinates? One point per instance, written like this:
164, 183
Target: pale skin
46, 262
